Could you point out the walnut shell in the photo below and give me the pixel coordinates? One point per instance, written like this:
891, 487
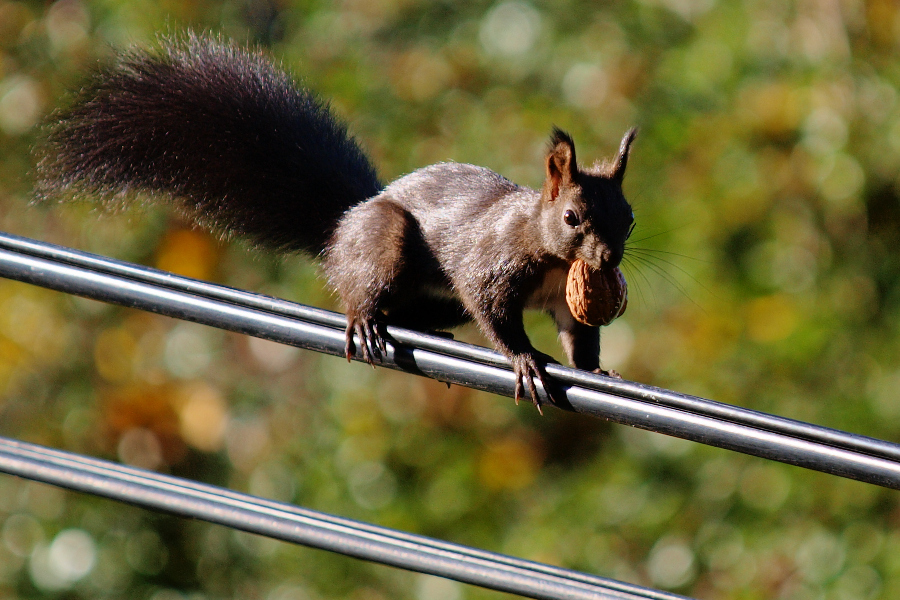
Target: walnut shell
595, 296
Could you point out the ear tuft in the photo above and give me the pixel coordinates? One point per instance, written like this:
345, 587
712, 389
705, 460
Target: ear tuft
561, 163
621, 161
560, 137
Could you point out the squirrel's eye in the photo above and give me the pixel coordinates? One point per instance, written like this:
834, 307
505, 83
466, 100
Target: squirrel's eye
571, 218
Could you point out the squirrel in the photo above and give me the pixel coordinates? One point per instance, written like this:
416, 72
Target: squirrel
243, 149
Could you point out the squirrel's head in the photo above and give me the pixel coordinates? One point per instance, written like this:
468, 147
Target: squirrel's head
584, 213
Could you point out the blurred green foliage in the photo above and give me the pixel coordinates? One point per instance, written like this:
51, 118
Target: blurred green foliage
765, 272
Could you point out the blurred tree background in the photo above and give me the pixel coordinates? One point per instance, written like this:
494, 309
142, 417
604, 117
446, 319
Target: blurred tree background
764, 273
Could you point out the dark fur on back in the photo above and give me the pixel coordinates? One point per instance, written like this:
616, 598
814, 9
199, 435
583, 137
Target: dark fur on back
233, 138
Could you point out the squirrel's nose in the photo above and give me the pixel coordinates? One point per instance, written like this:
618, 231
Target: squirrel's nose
600, 255
611, 259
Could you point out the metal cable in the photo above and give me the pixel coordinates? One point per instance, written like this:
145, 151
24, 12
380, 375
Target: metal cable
165, 493
689, 417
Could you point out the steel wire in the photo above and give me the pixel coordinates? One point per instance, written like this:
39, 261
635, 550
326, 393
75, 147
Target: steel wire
182, 497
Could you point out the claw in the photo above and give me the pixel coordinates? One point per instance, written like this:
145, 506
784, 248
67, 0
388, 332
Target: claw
349, 346
370, 352
611, 373
525, 367
372, 344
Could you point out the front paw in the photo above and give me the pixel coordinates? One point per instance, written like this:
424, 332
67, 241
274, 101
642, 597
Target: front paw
526, 366
371, 336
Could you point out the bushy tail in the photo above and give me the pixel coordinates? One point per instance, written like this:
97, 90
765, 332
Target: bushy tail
224, 132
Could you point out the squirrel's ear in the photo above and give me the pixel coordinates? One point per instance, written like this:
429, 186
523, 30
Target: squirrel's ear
561, 165
618, 170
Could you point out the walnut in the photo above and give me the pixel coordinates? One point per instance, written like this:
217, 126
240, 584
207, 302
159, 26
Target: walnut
595, 296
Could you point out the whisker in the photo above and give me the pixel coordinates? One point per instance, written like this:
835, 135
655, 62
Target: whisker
650, 237
658, 251
670, 279
651, 258
627, 270
643, 262
633, 269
